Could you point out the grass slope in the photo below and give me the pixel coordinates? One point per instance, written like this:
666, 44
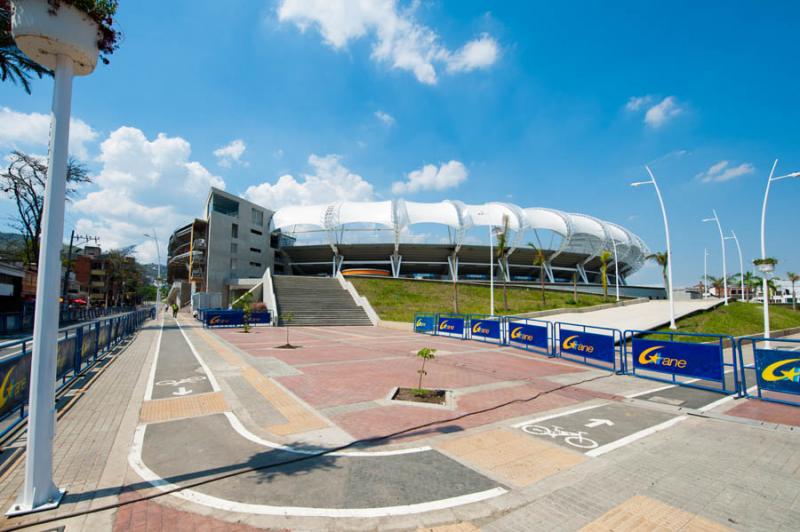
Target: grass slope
398, 300
737, 319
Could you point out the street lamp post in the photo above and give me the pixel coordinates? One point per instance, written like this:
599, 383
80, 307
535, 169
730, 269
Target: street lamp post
715, 218
154, 236
741, 263
653, 182
765, 286
491, 272
705, 272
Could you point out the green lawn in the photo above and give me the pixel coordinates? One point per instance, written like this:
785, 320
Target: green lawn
737, 319
398, 300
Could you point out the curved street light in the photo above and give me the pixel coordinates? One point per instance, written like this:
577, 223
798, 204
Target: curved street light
715, 218
653, 182
765, 286
741, 263
154, 236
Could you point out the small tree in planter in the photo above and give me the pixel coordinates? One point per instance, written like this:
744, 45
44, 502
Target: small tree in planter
605, 256
287, 318
426, 353
245, 304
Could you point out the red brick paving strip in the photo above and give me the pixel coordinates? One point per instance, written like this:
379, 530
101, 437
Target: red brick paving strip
767, 411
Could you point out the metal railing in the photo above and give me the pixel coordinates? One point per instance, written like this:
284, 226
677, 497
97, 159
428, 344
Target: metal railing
775, 369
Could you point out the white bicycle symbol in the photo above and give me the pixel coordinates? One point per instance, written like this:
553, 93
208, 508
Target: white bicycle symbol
189, 380
576, 439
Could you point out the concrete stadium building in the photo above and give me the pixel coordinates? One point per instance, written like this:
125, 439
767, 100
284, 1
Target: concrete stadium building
238, 240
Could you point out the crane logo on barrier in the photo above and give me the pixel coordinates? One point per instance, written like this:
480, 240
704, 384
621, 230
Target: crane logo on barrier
517, 334
773, 372
570, 343
477, 328
650, 356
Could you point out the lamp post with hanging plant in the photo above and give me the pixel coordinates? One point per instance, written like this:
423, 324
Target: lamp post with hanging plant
66, 37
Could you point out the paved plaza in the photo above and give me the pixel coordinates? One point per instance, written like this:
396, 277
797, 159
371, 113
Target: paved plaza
190, 428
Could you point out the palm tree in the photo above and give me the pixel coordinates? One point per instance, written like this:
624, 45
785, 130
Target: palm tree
539, 260
718, 283
604, 257
14, 65
662, 259
500, 254
793, 278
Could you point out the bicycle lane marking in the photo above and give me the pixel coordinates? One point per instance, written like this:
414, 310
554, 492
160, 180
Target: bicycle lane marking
178, 370
598, 429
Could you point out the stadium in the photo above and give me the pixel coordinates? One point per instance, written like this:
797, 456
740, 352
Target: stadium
239, 240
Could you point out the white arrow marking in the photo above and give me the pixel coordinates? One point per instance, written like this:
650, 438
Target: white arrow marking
182, 391
597, 422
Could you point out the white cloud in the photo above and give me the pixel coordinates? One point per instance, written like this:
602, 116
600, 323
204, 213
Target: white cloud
480, 53
429, 177
662, 112
656, 115
329, 181
142, 184
399, 40
385, 117
28, 130
230, 153
722, 171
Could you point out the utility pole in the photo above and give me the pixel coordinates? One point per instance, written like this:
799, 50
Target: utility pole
72, 238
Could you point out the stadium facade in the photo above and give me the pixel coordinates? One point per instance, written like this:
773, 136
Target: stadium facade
238, 240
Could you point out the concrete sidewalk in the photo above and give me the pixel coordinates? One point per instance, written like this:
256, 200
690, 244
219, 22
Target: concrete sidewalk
642, 317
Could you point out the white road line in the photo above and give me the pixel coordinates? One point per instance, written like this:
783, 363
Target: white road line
603, 449
551, 416
213, 381
148, 394
135, 460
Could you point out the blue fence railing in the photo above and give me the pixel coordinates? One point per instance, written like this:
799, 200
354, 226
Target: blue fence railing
22, 320
602, 347
79, 347
774, 371
219, 317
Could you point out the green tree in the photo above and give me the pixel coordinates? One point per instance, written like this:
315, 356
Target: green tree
286, 318
501, 248
793, 278
426, 353
662, 259
245, 304
718, 283
539, 260
604, 257
123, 277
14, 65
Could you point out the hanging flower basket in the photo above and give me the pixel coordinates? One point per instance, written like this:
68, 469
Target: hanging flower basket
766, 265
78, 29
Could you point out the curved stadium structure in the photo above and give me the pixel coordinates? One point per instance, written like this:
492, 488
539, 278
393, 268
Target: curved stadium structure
570, 242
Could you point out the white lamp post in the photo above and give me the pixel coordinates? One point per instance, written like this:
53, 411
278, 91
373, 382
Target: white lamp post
705, 272
154, 236
741, 263
715, 218
766, 268
63, 39
491, 272
653, 182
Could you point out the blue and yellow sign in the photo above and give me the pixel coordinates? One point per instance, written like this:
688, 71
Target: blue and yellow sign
529, 335
778, 371
485, 329
223, 318
450, 325
589, 345
703, 361
423, 324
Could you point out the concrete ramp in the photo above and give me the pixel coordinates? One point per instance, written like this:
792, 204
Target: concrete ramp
643, 316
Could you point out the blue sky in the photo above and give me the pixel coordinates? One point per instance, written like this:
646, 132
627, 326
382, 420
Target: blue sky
539, 103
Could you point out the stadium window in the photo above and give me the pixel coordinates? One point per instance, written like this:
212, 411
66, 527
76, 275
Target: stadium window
234, 264
257, 217
234, 247
234, 231
255, 264
256, 232
255, 250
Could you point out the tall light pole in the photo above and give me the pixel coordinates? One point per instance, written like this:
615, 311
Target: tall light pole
715, 218
154, 236
765, 270
491, 272
741, 263
705, 272
653, 182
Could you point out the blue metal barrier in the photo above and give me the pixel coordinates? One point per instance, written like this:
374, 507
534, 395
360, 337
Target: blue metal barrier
233, 318
425, 323
699, 365
78, 349
452, 325
601, 347
777, 369
486, 328
530, 334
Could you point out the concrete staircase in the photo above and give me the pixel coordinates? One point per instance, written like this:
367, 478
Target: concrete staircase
316, 301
